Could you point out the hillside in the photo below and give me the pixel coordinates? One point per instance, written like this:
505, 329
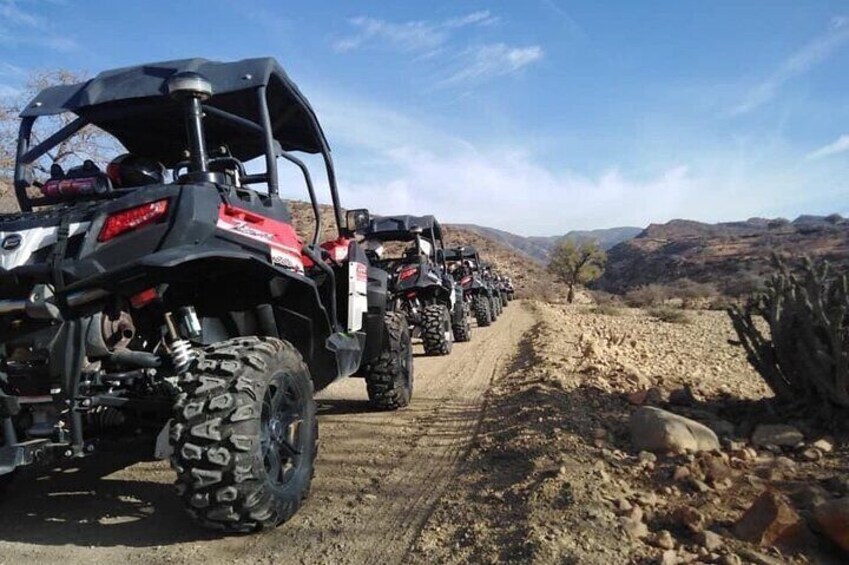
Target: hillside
540, 247
728, 254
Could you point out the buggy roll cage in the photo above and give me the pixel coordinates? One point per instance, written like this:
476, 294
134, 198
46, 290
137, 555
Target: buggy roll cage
191, 89
408, 228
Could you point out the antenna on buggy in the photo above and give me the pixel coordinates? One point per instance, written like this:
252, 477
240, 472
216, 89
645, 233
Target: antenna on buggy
192, 90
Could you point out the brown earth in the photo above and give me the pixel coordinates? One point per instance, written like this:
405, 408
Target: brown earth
553, 476
378, 477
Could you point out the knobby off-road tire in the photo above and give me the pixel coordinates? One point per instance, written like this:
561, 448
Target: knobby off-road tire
505, 299
437, 335
493, 305
463, 331
245, 435
389, 378
482, 310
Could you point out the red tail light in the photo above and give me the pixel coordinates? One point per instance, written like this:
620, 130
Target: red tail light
132, 219
408, 272
465, 281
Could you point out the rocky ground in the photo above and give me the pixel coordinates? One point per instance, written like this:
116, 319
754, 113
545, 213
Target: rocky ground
624, 439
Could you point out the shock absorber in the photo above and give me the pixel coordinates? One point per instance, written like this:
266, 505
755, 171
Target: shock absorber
181, 351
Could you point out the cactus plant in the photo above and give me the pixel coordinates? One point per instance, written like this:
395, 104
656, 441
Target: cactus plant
804, 358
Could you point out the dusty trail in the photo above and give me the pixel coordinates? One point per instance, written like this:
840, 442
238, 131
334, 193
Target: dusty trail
378, 477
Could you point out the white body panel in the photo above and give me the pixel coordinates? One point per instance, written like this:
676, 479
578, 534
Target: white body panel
357, 295
32, 240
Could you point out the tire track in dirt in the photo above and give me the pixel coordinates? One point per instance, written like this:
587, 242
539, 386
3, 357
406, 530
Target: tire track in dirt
378, 477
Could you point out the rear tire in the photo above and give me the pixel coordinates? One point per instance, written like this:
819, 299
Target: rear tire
389, 378
482, 313
437, 336
494, 308
463, 331
245, 435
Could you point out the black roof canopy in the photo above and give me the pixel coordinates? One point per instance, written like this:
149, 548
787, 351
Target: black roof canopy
133, 105
457, 253
399, 228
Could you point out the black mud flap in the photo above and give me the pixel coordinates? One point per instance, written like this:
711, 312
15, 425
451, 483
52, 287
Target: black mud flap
348, 349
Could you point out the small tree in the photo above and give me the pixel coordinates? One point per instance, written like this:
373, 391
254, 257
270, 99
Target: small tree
88, 143
577, 263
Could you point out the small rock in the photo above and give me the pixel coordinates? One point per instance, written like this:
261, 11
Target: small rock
731, 559
635, 514
668, 557
826, 445
635, 529
769, 520
780, 435
653, 429
622, 505
647, 457
699, 485
682, 397
833, 518
662, 539
811, 454
681, 473
690, 517
711, 541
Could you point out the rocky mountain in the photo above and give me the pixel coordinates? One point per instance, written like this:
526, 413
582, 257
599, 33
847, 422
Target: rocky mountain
540, 247
730, 254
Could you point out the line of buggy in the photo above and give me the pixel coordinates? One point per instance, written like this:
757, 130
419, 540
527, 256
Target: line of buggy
169, 292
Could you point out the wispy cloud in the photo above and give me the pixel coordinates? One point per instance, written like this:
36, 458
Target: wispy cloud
797, 64
416, 35
840, 145
489, 61
20, 23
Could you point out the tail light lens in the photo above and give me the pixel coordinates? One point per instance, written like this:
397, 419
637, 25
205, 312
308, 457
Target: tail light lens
133, 219
408, 272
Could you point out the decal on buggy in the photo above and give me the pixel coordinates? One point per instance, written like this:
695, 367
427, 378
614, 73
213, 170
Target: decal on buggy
284, 244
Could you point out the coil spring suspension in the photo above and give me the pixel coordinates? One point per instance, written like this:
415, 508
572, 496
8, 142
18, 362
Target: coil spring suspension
180, 349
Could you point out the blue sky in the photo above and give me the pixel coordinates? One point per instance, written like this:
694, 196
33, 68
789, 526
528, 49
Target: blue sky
536, 116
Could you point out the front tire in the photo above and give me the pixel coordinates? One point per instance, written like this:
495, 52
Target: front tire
482, 311
389, 378
245, 435
437, 336
463, 330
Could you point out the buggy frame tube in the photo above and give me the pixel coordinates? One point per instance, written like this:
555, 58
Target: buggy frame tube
308, 180
26, 155
270, 153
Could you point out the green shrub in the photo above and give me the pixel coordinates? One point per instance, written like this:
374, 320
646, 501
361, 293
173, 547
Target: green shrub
648, 295
805, 356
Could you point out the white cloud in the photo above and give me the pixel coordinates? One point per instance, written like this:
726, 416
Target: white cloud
490, 61
797, 64
392, 162
840, 145
417, 35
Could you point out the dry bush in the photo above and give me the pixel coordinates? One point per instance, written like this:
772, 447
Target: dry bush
693, 294
606, 309
669, 315
647, 296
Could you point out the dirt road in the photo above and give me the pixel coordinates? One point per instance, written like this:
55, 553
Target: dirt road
378, 477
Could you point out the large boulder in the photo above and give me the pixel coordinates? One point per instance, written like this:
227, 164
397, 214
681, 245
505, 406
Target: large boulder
653, 429
833, 519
